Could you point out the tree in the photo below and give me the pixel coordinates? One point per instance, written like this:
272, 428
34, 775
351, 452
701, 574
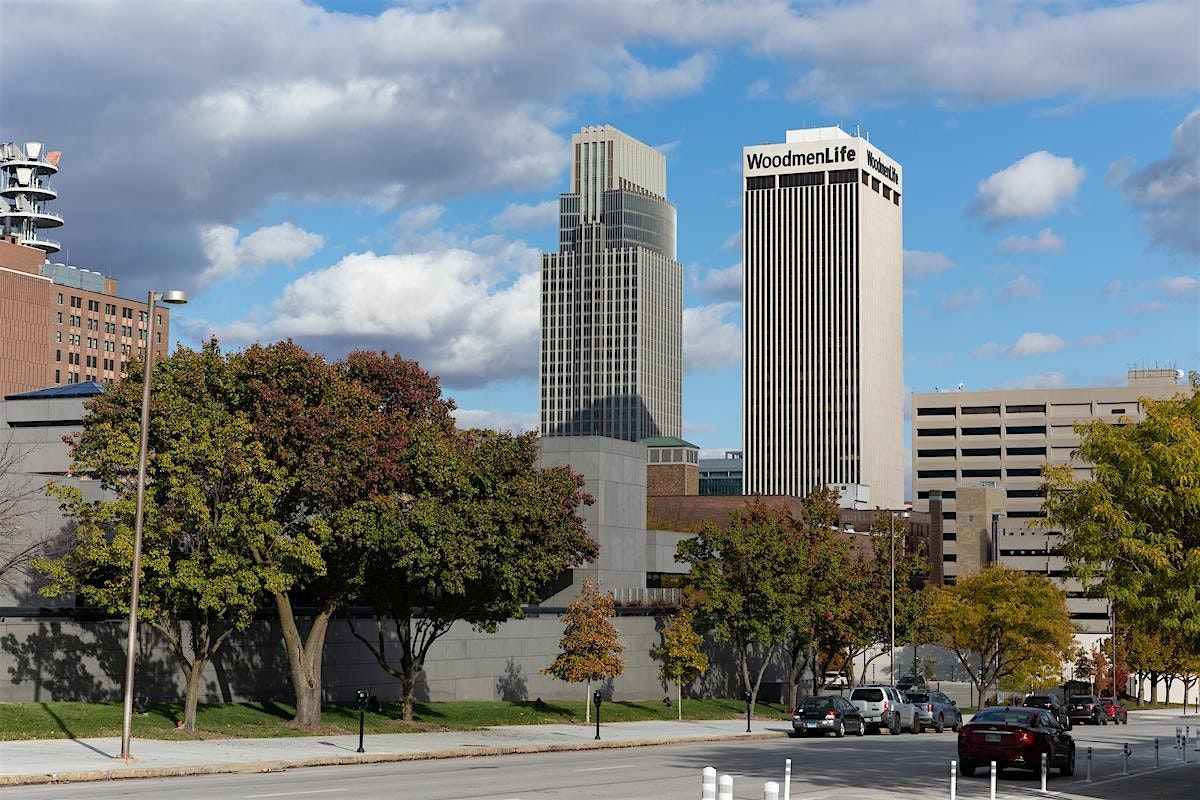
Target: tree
1001, 623
591, 645
744, 575
1132, 532
210, 491
485, 532
680, 653
16, 492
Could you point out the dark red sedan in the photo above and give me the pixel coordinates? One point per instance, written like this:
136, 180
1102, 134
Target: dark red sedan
1015, 736
1117, 713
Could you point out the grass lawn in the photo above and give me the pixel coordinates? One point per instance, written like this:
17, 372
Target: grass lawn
84, 720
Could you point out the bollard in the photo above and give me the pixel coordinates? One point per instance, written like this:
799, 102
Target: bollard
953, 779
992, 792
1178, 739
770, 790
725, 787
1156, 752
1125, 759
708, 784
1089, 765
787, 779
1044, 770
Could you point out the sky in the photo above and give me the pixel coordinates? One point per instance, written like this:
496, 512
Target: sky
384, 176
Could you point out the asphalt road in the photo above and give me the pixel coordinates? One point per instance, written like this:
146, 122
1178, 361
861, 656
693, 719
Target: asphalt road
867, 768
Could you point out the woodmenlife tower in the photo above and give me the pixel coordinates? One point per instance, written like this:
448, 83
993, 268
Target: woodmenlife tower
823, 302
612, 297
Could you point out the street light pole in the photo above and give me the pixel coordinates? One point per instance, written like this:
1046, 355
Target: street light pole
176, 297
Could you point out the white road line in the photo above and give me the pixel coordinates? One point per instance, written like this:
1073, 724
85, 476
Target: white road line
599, 769
293, 794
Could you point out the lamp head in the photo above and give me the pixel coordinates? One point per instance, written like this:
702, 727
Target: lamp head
174, 297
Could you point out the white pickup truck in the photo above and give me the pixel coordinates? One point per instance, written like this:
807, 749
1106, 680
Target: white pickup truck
886, 707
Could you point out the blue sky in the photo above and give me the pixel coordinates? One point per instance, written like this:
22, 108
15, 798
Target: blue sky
363, 175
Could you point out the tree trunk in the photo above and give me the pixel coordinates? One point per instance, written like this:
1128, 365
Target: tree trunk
191, 695
304, 660
1153, 688
679, 687
587, 703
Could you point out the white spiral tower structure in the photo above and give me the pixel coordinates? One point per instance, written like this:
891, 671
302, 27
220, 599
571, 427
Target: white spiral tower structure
25, 189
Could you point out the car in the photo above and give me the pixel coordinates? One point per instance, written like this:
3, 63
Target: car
1086, 708
935, 710
1051, 704
1015, 736
911, 682
827, 713
1114, 710
835, 680
885, 707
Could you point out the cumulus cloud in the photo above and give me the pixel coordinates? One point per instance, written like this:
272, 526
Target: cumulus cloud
1167, 192
509, 421
925, 263
1035, 186
1146, 309
1046, 241
1179, 285
687, 77
960, 298
525, 216
1036, 344
722, 284
228, 252
1021, 287
712, 336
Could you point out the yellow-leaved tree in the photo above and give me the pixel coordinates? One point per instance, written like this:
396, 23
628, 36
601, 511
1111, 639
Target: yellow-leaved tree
680, 653
590, 649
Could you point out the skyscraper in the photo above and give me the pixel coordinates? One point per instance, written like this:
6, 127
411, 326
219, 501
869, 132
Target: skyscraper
822, 302
612, 297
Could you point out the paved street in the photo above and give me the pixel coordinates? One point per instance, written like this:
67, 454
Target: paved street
867, 768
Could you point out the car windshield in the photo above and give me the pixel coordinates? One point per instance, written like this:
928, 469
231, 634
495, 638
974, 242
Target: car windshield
1082, 698
870, 695
918, 697
816, 703
1007, 716
1038, 700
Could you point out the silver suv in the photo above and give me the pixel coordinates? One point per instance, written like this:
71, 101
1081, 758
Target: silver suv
885, 707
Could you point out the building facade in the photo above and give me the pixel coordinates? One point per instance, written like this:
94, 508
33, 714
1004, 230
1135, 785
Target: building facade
983, 453
612, 297
822, 301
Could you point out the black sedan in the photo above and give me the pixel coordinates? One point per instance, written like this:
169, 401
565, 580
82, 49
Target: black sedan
827, 713
1051, 704
1015, 736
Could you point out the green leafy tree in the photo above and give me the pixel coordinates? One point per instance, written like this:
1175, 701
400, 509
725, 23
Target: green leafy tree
210, 494
590, 649
682, 658
1132, 531
484, 532
1003, 623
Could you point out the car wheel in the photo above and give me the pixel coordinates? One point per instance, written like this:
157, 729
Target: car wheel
793, 734
1068, 768
957, 725
894, 724
917, 727
841, 729
940, 725
966, 768
862, 728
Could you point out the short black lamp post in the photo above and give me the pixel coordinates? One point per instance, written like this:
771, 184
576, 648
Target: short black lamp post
597, 699
362, 714
748, 707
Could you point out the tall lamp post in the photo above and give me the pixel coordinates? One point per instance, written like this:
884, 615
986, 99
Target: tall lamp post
176, 298
892, 541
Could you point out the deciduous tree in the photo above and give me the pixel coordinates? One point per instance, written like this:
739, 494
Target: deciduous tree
590, 649
681, 655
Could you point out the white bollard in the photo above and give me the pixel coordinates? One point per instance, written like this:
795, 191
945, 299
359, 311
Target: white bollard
992, 794
1045, 769
708, 784
725, 787
787, 779
770, 790
953, 779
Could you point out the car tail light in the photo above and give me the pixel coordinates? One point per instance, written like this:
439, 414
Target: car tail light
929, 707
1024, 737
885, 706
830, 715
1090, 706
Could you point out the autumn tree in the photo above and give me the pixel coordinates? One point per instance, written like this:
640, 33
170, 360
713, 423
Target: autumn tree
682, 658
210, 494
1132, 531
590, 649
1002, 623
483, 532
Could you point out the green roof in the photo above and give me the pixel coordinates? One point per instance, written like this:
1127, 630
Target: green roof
667, 441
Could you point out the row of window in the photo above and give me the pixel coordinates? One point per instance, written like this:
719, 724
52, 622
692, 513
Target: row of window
1012, 450
948, 411
987, 430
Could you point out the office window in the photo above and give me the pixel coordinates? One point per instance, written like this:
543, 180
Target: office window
936, 411
937, 432
981, 409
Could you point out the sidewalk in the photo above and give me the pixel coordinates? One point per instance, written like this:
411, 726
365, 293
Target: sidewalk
65, 760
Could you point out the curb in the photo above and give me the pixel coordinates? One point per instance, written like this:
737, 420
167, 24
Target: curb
368, 758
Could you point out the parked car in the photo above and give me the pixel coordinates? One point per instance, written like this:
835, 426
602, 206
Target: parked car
1051, 704
1015, 736
1114, 710
827, 713
911, 682
835, 680
885, 707
935, 710
1086, 708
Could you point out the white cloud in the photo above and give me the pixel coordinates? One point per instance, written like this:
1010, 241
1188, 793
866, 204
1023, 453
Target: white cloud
523, 216
1167, 192
960, 298
722, 284
1046, 241
1036, 344
686, 77
925, 263
1153, 307
275, 244
1042, 380
420, 218
734, 242
712, 336
988, 349
510, 421
1179, 285
1033, 187
1021, 287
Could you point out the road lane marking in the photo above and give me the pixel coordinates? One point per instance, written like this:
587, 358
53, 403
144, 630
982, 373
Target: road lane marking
293, 794
598, 769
